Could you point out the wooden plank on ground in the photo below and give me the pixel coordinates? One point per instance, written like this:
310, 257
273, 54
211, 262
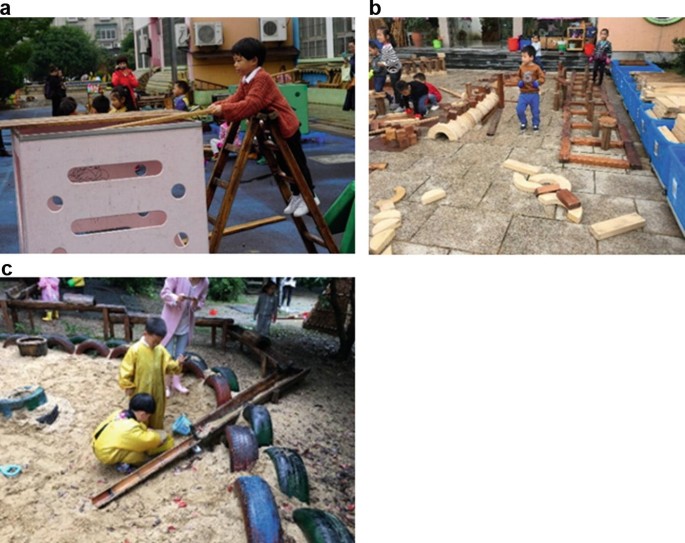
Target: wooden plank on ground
521, 167
619, 225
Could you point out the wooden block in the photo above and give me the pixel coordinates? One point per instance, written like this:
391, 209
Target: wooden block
521, 183
383, 215
432, 196
546, 189
387, 251
399, 193
521, 167
385, 225
666, 132
619, 225
373, 166
385, 205
650, 114
575, 215
380, 241
551, 179
549, 199
568, 199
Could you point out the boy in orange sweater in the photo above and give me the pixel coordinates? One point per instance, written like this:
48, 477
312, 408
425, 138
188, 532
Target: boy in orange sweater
258, 92
531, 77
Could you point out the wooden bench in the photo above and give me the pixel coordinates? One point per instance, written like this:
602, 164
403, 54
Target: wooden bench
128, 320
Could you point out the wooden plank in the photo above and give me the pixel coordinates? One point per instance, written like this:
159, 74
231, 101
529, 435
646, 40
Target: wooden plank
521, 167
666, 133
619, 225
383, 215
575, 215
494, 121
432, 196
568, 199
385, 225
73, 120
380, 241
524, 185
546, 189
373, 166
598, 160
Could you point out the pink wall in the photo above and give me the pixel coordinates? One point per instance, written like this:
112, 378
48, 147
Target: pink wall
638, 34
156, 42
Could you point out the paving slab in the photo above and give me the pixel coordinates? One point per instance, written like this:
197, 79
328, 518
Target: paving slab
630, 186
659, 217
598, 207
531, 235
403, 248
508, 199
382, 184
464, 229
642, 243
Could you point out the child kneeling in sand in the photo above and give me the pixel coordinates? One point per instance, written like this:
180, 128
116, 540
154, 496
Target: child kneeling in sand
124, 438
144, 366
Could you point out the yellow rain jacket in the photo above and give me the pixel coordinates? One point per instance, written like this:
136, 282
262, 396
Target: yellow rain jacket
143, 370
123, 439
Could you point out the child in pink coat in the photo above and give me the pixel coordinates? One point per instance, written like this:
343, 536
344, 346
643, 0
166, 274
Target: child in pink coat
49, 287
182, 296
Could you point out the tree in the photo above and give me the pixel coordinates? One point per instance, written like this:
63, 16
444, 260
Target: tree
344, 317
15, 50
128, 50
67, 47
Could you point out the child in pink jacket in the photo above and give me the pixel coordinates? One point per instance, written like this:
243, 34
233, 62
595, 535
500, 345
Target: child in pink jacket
49, 287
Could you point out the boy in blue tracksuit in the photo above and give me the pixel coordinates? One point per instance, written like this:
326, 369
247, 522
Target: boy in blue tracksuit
531, 77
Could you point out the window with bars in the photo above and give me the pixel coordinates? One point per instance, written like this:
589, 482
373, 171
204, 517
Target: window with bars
106, 32
343, 30
313, 37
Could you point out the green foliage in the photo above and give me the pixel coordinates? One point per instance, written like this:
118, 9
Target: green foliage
148, 286
312, 282
67, 47
679, 62
226, 289
128, 50
16, 48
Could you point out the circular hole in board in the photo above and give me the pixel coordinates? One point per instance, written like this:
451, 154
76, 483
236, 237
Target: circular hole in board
178, 191
181, 239
55, 203
140, 169
59, 250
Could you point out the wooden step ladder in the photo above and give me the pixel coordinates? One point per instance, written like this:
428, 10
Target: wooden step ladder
264, 129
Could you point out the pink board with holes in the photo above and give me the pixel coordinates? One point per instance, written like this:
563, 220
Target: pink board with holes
131, 190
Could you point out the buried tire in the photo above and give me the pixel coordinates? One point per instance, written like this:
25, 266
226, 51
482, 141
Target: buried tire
321, 527
29, 397
197, 359
114, 342
12, 339
242, 447
92, 345
291, 473
221, 389
192, 366
57, 341
119, 352
78, 339
260, 514
230, 376
260, 421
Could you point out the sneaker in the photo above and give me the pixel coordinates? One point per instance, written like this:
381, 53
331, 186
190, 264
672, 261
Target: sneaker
125, 468
523, 127
436, 106
295, 200
535, 128
302, 208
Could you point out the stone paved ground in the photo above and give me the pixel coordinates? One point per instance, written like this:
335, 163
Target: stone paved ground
484, 213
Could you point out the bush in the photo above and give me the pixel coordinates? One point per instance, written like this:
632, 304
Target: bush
226, 289
679, 62
148, 286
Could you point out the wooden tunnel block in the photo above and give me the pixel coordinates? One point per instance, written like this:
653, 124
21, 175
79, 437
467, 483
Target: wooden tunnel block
432, 196
521, 167
568, 199
619, 225
380, 241
546, 189
385, 225
387, 250
521, 183
575, 215
549, 199
383, 215
399, 193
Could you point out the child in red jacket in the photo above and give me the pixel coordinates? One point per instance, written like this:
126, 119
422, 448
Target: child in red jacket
434, 95
258, 92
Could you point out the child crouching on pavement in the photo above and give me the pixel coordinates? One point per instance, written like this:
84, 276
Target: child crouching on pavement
434, 95
124, 438
531, 77
258, 92
413, 96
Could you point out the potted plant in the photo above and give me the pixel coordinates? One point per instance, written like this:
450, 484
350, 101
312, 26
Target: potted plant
416, 27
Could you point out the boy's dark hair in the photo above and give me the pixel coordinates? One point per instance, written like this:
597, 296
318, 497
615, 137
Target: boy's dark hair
249, 48
156, 326
374, 45
183, 85
529, 50
604, 30
52, 68
268, 285
67, 106
536, 35
401, 85
124, 93
101, 103
142, 402
122, 58
420, 77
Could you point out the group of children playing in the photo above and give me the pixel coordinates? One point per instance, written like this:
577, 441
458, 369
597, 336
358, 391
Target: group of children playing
418, 96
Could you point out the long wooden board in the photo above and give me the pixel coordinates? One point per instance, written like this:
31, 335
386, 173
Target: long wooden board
74, 120
619, 225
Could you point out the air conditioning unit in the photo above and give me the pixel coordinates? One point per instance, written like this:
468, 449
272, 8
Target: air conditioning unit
72, 19
182, 35
208, 34
273, 29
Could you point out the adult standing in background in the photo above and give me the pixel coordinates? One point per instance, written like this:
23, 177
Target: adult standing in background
55, 89
350, 61
124, 76
287, 285
182, 296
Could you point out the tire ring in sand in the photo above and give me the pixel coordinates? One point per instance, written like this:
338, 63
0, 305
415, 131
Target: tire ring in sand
197, 359
93, 345
78, 339
119, 352
230, 376
29, 397
260, 514
291, 473
260, 421
318, 525
12, 340
61, 342
221, 389
192, 366
242, 447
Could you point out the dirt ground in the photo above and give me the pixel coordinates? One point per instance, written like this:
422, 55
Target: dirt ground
50, 500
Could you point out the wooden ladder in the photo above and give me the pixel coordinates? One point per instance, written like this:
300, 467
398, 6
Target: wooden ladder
264, 129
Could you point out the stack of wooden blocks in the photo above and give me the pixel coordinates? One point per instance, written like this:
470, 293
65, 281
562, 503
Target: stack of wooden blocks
679, 128
404, 137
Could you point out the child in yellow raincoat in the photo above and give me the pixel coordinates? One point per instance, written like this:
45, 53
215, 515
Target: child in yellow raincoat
124, 438
145, 365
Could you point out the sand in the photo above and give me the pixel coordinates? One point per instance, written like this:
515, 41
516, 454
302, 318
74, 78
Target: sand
50, 500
